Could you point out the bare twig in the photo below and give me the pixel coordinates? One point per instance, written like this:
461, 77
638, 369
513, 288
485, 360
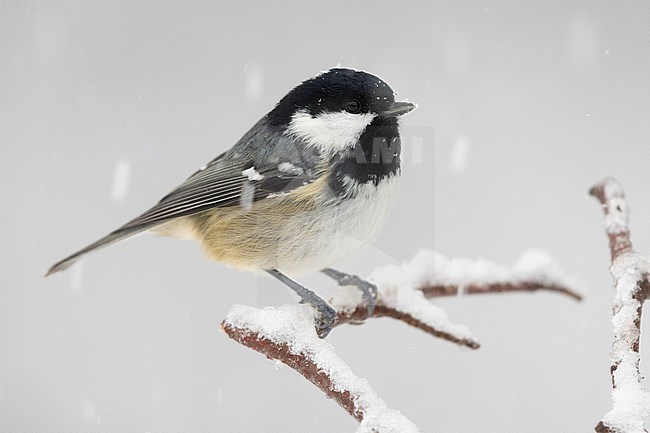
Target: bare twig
630, 271
287, 333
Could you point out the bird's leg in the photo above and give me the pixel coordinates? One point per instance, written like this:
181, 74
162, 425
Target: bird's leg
327, 313
369, 290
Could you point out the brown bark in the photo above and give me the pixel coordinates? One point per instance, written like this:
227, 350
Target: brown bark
308, 368
611, 196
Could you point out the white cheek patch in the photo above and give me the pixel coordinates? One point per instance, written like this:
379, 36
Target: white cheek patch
329, 131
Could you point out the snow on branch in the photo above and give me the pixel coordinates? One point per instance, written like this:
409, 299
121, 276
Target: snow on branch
287, 333
435, 275
631, 273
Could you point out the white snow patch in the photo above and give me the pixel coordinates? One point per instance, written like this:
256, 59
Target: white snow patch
398, 284
252, 174
430, 268
416, 305
293, 326
344, 299
617, 217
631, 400
121, 178
289, 168
538, 266
402, 295
398, 288
458, 160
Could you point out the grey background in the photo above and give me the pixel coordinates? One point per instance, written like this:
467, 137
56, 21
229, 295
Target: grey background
523, 106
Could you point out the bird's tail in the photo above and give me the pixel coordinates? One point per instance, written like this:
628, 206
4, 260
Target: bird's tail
117, 235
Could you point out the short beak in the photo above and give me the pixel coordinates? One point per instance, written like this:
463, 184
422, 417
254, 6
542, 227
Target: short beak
397, 109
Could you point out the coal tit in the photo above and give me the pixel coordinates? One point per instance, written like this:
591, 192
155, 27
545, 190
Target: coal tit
308, 184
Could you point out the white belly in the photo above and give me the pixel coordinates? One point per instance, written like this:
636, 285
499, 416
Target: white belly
320, 238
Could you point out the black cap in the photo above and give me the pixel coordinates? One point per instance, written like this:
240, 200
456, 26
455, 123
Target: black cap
339, 89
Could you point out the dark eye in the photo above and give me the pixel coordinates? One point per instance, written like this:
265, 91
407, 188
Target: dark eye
353, 106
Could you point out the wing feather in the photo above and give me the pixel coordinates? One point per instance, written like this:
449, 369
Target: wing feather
220, 184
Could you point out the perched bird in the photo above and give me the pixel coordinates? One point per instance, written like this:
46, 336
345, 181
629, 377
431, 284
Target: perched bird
308, 184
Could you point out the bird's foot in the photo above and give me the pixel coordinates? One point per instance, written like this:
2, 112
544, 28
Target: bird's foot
369, 290
327, 314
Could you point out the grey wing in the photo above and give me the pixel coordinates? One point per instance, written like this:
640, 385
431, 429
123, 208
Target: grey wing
280, 165
223, 182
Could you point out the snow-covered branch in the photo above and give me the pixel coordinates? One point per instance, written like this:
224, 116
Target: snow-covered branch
436, 275
630, 272
287, 333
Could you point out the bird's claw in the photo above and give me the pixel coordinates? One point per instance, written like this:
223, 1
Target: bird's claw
326, 316
369, 289
326, 321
